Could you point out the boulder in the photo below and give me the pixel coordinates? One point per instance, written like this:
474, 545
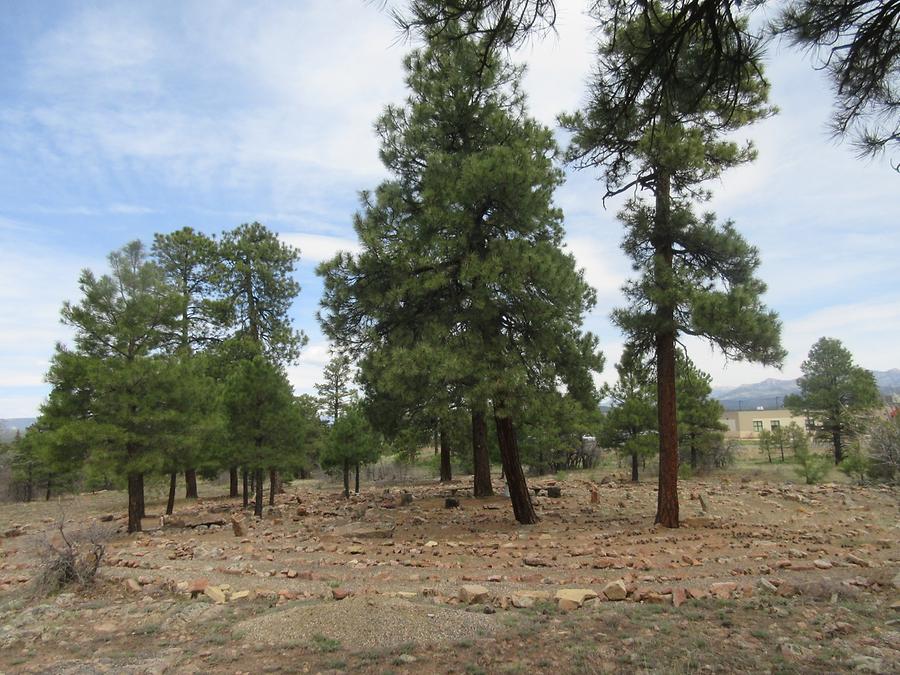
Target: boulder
527, 599
615, 590
573, 598
473, 593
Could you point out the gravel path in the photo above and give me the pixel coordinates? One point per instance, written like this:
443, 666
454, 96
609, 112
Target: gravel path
367, 623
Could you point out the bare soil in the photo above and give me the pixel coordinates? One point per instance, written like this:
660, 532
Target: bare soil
771, 577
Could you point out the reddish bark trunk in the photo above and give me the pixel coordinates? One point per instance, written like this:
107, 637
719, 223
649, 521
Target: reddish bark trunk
346, 469
667, 499
634, 467
273, 486
245, 474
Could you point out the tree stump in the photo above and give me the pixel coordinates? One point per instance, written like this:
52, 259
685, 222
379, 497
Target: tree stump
451, 503
554, 492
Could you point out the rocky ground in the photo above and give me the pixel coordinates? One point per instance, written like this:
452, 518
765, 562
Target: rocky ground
763, 576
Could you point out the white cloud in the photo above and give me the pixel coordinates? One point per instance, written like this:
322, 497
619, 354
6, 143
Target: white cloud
319, 247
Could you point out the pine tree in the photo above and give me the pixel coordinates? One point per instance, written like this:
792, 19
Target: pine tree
254, 278
630, 426
835, 394
462, 295
699, 417
667, 136
351, 442
335, 391
188, 260
115, 385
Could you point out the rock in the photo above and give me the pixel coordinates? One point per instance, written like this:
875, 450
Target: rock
767, 585
554, 491
430, 544
451, 503
216, 594
823, 564
595, 497
526, 599
239, 595
895, 582
133, 585
723, 589
405, 499
535, 562
615, 590
366, 530
856, 560
108, 518
573, 598
340, 593
238, 526
472, 594
406, 658
679, 596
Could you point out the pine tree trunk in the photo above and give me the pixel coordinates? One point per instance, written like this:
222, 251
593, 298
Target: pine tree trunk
512, 468
304, 473
190, 481
232, 481
634, 467
446, 476
143, 505
481, 457
667, 498
135, 499
173, 483
246, 479
258, 504
49, 483
357, 479
273, 486
838, 446
346, 469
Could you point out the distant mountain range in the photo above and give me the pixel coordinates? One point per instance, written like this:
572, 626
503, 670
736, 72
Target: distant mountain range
770, 393
9, 427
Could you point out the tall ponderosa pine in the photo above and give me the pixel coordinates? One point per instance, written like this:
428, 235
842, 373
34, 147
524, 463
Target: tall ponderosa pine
188, 259
835, 394
668, 137
462, 282
254, 277
116, 385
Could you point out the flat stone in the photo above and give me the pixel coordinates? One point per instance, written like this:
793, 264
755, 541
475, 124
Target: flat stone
132, 585
527, 599
473, 593
615, 590
823, 564
216, 594
340, 593
239, 595
573, 598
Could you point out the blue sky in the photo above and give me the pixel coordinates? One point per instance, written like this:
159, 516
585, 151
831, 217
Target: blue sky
118, 120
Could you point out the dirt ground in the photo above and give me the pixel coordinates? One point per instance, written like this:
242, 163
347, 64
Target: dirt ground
769, 577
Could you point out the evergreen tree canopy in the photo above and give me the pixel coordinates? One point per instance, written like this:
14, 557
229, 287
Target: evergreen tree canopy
254, 276
656, 120
462, 285
835, 394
